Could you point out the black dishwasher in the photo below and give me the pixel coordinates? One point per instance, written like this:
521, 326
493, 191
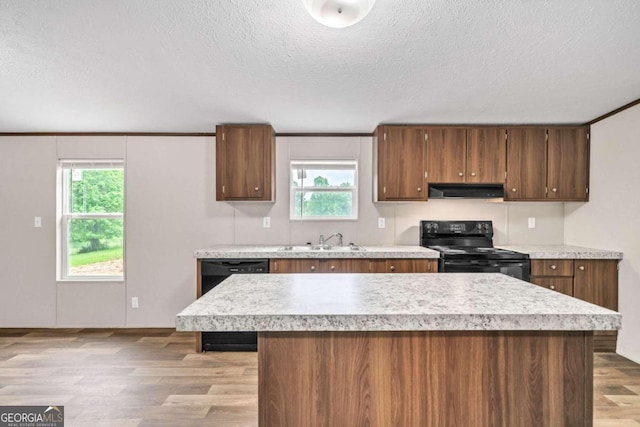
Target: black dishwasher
213, 272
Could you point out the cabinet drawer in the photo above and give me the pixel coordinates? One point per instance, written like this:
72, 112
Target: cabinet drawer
404, 266
344, 265
564, 285
552, 267
294, 266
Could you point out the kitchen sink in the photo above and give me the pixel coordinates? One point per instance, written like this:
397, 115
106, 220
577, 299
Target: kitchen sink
328, 248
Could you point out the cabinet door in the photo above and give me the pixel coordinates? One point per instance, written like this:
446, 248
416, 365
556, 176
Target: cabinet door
563, 285
526, 164
400, 161
344, 265
568, 161
294, 266
244, 162
486, 155
404, 266
596, 281
446, 154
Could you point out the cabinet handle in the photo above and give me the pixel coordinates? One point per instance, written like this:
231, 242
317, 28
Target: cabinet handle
419, 189
552, 287
275, 266
460, 174
392, 268
256, 188
384, 190
513, 190
333, 267
553, 267
581, 268
473, 174
313, 268
554, 190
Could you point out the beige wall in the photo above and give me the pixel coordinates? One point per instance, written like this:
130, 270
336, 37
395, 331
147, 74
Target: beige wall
610, 219
171, 210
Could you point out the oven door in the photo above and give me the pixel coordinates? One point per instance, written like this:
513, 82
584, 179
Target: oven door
514, 268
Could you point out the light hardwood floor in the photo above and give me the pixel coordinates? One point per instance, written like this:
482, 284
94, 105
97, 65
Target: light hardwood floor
153, 377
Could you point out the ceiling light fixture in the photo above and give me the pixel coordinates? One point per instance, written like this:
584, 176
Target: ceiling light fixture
338, 13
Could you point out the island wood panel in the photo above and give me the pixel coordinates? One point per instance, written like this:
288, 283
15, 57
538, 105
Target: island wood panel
526, 164
568, 163
486, 155
563, 285
404, 266
401, 163
431, 378
446, 154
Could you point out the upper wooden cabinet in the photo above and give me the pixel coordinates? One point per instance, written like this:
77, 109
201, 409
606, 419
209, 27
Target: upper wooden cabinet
399, 162
466, 155
547, 164
568, 164
245, 162
446, 154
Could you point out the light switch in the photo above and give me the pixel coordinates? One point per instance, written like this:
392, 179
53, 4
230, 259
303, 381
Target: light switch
266, 222
532, 222
381, 223
37, 221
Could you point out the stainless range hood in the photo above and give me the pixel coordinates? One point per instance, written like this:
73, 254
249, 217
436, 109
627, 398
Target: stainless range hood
466, 191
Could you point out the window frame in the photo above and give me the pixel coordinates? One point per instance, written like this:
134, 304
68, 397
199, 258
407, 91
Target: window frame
331, 164
65, 217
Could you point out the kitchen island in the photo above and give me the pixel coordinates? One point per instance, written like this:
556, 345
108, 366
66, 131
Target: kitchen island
410, 349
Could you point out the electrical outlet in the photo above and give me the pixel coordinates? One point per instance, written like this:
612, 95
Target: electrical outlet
266, 222
134, 302
532, 222
37, 221
381, 223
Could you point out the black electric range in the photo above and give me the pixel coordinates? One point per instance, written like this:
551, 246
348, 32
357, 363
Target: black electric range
467, 246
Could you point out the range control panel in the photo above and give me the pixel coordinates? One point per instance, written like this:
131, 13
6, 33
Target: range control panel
441, 228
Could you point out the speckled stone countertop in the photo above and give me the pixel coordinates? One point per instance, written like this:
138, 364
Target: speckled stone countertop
563, 251
222, 252
388, 302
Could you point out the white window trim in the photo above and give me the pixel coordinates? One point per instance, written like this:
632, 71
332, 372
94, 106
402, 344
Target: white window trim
65, 218
349, 164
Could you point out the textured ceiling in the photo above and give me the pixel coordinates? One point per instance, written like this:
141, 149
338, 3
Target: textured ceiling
185, 65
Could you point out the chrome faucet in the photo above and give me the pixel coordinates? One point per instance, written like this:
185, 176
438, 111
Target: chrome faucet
322, 241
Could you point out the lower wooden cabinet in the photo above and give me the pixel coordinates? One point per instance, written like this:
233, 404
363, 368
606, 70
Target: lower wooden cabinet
591, 280
404, 266
353, 265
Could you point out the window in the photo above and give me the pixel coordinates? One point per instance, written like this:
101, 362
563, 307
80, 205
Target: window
324, 189
92, 220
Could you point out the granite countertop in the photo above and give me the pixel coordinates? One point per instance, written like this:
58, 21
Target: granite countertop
336, 252
563, 251
388, 302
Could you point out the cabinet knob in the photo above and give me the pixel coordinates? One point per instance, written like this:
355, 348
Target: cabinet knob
513, 190
313, 268
419, 189
460, 174
581, 268
553, 267
473, 174
554, 190
256, 188
333, 267
392, 268
552, 287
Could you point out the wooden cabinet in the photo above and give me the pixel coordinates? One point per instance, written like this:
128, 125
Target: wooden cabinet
547, 164
466, 155
591, 280
446, 155
399, 163
245, 162
353, 265
526, 164
404, 266
486, 155
568, 164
